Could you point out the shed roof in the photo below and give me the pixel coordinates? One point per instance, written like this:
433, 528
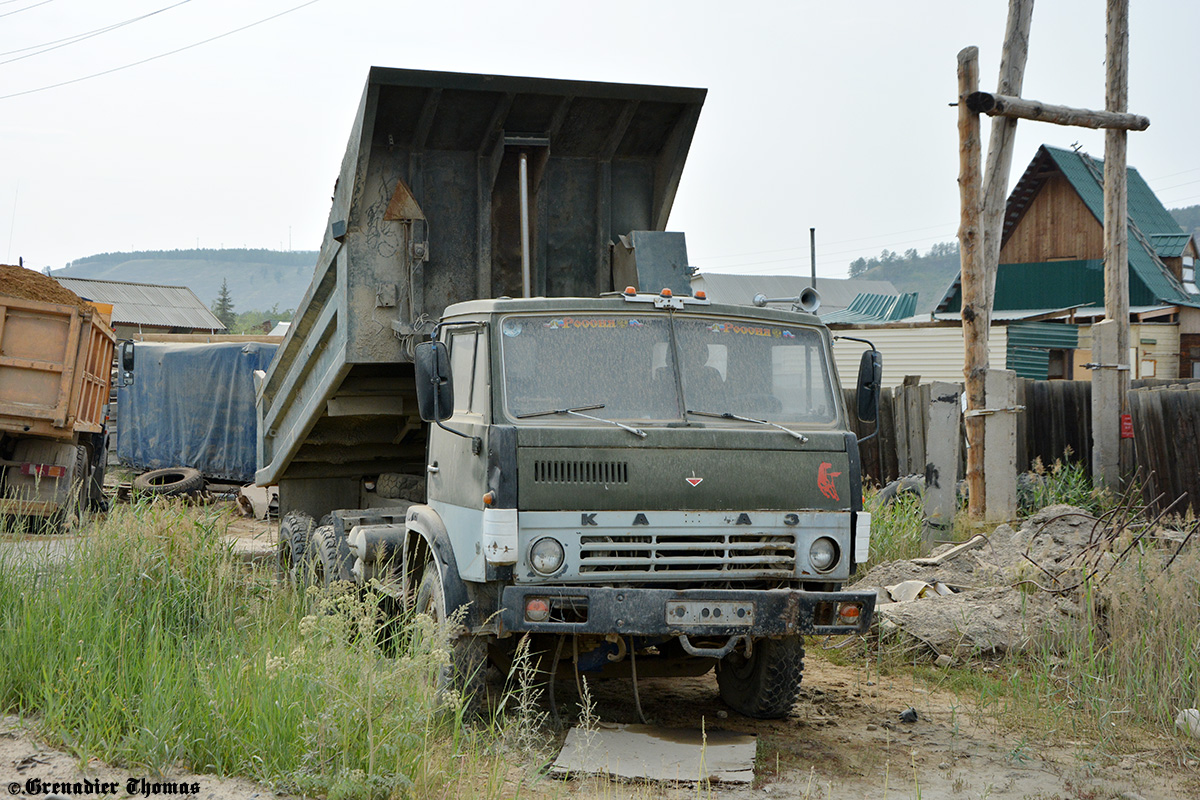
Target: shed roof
836, 293
147, 303
868, 307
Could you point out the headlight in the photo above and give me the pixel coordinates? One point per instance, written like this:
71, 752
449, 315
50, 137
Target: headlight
823, 554
546, 556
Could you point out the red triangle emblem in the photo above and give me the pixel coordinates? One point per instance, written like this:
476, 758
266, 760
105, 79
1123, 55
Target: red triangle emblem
694, 481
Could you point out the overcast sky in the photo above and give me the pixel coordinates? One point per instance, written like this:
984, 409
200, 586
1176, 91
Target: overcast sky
831, 115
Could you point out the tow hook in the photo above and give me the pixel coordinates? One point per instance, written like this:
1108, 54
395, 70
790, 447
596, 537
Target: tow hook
713, 652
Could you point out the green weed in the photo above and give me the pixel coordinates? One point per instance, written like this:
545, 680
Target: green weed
152, 646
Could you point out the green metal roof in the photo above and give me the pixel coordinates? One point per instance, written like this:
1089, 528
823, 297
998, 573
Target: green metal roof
866, 307
1146, 214
1170, 245
1153, 235
1059, 284
1030, 343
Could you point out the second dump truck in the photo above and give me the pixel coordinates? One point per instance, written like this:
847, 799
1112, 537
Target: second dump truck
55, 374
499, 400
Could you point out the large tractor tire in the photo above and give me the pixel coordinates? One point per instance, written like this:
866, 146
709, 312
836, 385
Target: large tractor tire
765, 685
327, 559
468, 653
295, 534
169, 482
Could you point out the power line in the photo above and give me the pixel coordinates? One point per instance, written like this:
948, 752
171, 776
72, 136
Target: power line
79, 37
26, 8
160, 55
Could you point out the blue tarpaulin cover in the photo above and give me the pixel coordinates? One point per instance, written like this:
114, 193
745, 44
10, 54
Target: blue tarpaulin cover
192, 405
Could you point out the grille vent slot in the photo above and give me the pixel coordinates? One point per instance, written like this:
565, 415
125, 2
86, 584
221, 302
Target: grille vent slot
581, 472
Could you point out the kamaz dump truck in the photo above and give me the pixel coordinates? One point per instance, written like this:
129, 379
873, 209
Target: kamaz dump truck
500, 402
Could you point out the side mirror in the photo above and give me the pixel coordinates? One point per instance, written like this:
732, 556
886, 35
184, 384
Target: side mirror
435, 393
125, 362
870, 376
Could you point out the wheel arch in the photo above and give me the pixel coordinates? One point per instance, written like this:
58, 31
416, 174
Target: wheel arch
425, 538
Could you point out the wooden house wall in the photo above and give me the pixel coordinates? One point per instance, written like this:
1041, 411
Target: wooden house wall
1057, 225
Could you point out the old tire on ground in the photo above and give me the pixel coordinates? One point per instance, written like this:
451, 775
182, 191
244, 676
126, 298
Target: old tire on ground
327, 559
764, 686
169, 482
295, 533
468, 654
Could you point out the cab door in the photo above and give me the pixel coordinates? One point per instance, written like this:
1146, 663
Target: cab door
456, 467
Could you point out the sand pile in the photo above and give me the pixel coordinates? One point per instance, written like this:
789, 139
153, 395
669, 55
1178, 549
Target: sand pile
26, 284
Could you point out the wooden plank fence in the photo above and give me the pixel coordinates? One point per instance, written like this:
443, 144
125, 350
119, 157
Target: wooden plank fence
1056, 424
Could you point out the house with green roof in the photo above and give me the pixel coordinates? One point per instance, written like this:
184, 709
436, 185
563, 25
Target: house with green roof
1050, 283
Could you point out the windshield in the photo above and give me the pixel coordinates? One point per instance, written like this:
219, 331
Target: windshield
627, 365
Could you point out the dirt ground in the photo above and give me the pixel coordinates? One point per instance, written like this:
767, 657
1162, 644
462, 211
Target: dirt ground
845, 739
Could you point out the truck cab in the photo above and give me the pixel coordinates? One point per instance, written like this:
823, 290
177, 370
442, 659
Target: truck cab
676, 475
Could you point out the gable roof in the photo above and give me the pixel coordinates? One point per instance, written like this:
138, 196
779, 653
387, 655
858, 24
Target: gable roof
147, 303
1153, 232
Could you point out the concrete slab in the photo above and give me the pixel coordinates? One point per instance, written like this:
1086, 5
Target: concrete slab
650, 752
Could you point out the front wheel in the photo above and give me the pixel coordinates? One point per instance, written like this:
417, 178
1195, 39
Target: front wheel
766, 684
468, 653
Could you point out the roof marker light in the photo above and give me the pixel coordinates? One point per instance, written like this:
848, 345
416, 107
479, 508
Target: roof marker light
701, 295
631, 291
665, 292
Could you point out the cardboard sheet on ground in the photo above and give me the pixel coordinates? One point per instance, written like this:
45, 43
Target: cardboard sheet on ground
656, 753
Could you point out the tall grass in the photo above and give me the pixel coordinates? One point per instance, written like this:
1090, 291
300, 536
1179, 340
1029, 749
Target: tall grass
153, 647
895, 528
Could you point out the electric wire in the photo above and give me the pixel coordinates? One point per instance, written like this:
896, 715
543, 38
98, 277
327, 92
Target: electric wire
26, 8
160, 55
46, 47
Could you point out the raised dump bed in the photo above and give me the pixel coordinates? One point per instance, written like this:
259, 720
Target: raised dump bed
427, 211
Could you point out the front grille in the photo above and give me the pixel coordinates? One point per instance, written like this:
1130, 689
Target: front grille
669, 554
581, 472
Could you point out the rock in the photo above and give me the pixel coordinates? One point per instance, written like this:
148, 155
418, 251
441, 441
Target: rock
722, 714
908, 715
1188, 722
872, 727
944, 660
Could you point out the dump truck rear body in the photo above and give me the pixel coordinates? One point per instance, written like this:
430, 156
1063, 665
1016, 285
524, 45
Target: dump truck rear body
55, 376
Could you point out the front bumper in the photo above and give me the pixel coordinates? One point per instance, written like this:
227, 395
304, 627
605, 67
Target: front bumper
676, 612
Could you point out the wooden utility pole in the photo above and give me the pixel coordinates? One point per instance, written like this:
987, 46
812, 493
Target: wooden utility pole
982, 224
983, 201
1107, 411
975, 306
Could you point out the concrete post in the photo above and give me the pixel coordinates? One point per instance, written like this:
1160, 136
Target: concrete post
1106, 407
941, 467
1000, 450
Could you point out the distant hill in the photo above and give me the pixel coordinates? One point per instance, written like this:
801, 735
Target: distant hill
258, 280
1188, 219
929, 275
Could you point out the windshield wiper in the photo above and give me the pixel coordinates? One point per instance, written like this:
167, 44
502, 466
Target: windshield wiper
575, 412
727, 415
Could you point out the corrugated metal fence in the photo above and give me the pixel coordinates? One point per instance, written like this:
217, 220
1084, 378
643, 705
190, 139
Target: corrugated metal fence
1056, 424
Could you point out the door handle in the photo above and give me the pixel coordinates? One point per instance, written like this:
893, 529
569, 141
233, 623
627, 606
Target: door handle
432, 469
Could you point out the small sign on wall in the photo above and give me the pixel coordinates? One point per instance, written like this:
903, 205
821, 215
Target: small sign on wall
1126, 426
